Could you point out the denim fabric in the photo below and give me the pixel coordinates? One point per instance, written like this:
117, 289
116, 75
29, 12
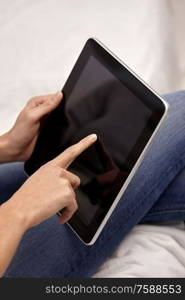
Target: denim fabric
156, 193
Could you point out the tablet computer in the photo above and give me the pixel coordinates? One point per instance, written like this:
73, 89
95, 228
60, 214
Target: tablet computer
103, 96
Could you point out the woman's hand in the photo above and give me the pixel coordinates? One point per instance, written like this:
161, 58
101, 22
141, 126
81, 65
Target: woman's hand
46, 192
50, 189
18, 143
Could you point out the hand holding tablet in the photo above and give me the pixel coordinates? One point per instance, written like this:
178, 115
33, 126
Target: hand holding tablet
102, 95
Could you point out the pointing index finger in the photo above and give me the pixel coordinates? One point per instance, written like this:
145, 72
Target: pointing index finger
70, 154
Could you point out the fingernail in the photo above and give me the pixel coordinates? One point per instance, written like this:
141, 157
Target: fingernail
92, 137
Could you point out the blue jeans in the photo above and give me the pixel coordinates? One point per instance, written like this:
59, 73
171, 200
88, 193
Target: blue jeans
156, 193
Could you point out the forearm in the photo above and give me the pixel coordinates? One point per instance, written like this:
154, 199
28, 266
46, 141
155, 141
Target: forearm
6, 150
12, 228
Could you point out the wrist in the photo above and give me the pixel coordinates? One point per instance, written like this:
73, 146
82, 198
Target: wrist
14, 215
7, 151
4, 148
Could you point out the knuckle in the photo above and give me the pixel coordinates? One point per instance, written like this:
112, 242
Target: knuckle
58, 171
75, 205
78, 180
30, 116
31, 100
63, 172
66, 183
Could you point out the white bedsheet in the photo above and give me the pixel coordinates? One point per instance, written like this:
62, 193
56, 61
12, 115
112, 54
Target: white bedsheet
149, 251
40, 41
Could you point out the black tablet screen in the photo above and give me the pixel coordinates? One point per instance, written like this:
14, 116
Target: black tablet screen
98, 103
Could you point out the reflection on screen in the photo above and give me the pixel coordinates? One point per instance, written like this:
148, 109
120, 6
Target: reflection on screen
101, 104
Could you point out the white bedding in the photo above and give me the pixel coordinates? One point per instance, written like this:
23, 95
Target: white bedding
149, 251
40, 41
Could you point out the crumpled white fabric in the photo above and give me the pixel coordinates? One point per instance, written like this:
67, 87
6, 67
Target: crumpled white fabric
148, 251
40, 41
